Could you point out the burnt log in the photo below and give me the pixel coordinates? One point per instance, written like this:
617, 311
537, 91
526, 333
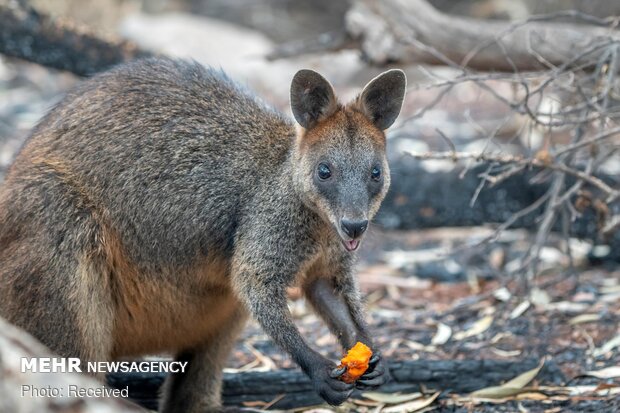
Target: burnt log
292, 388
421, 199
36, 37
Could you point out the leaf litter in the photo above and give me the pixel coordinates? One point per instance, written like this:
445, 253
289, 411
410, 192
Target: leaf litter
571, 323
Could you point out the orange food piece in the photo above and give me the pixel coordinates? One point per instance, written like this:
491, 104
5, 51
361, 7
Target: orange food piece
356, 362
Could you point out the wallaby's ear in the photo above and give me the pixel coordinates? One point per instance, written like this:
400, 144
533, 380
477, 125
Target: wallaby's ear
312, 98
382, 98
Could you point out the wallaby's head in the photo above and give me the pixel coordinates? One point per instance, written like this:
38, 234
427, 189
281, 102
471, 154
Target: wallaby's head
341, 169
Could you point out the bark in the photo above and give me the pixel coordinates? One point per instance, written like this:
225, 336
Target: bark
36, 37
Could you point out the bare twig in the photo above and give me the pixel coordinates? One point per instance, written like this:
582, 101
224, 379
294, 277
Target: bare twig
521, 161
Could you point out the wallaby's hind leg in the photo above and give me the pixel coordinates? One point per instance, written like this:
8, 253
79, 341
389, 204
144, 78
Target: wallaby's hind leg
58, 298
199, 389
54, 282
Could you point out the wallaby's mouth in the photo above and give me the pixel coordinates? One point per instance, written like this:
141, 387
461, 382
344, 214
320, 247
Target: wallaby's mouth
351, 245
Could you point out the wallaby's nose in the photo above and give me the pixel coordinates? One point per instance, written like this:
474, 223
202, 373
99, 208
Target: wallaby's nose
353, 229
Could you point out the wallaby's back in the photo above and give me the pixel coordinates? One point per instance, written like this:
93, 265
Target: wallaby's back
162, 149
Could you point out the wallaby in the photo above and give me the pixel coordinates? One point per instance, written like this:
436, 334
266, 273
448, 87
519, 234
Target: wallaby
160, 203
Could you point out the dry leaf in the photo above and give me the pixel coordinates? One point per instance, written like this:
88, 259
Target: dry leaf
497, 257
510, 388
612, 289
478, 327
413, 406
532, 395
584, 318
588, 389
606, 373
502, 294
391, 398
539, 297
442, 335
609, 298
414, 345
367, 403
568, 307
607, 347
520, 309
400, 282
505, 353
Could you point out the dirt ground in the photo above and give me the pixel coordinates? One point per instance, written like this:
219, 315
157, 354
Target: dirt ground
570, 318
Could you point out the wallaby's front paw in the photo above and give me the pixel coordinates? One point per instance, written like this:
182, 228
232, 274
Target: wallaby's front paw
326, 380
376, 375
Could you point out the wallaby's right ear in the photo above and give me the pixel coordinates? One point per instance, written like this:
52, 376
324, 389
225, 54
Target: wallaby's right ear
382, 98
312, 98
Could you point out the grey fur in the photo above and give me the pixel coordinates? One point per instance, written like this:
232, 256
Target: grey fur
159, 203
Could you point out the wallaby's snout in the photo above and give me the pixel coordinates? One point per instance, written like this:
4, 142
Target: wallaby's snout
353, 209
342, 171
353, 228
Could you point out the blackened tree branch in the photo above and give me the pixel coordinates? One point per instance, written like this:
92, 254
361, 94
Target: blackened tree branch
36, 37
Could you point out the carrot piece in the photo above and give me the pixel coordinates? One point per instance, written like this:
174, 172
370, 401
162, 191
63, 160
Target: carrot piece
356, 362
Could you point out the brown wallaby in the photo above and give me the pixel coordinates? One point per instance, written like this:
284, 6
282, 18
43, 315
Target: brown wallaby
160, 203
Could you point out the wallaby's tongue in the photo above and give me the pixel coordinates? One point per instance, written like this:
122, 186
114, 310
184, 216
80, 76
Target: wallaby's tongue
351, 245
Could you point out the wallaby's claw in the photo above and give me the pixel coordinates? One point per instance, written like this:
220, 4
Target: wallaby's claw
337, 372
374, 359
376, 374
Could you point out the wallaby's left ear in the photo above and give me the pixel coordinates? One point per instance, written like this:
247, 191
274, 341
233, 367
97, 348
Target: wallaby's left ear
312, 98
382, 98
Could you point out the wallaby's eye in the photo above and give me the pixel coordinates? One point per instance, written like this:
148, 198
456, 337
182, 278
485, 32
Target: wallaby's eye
375, 173
324, 172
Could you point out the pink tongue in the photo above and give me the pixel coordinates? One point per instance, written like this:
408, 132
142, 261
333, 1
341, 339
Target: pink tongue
351, 245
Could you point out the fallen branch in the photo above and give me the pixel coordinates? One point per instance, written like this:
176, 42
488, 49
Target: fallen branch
291, 388
421, 199
327, 42
413, 31
36, 37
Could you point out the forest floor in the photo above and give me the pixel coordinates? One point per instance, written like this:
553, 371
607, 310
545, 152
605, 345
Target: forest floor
423, 304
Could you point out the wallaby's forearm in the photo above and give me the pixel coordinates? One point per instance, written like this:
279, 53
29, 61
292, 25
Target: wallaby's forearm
349, 291
269, 309
336, 312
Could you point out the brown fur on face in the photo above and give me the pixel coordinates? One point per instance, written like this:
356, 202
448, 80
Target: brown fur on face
334, 129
